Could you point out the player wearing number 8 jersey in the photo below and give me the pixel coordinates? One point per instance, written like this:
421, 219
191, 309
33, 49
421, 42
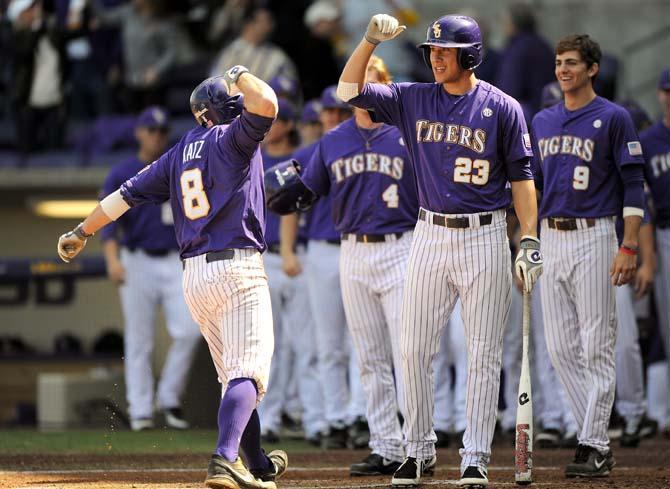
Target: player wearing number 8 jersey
588, 165
213, 178
466, 139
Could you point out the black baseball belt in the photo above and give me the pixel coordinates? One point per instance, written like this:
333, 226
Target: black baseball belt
455, 222
569, 223
372, 238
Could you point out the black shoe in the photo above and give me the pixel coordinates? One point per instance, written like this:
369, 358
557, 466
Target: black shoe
374, 464
569, 440
410, 471
336, 439
442, 439
474, 477
549, 438
278, 464
630, 436
359, 434
589, 462
174, 418
648, 427
270, 437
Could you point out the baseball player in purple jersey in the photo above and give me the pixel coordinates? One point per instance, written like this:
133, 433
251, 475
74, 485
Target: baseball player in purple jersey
295, 352
213, 179
656, 144
364, 167
142, 258
588, 165
343, 397
466, 139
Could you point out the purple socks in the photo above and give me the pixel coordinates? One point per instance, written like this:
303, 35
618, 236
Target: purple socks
239, 425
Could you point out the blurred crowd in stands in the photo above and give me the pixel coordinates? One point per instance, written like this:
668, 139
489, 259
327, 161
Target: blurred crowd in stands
73, 73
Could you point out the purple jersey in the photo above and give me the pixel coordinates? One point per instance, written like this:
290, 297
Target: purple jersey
214, 179
656, 146
147, 227
578, 158
368, 176
464, 148
272, 219
320, 224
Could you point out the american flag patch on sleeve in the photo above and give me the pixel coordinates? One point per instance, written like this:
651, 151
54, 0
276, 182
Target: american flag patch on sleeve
634, 148
526, 140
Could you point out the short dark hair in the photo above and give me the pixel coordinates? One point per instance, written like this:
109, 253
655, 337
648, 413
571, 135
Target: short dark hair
522, 16
588, 49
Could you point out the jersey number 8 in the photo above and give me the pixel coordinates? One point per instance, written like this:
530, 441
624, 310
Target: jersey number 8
580, 178
196, 204
468, 171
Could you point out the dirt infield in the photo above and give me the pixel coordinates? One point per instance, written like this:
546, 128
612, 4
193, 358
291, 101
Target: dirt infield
647, 467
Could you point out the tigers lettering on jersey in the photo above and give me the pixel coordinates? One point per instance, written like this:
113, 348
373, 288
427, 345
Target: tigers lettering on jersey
660, 164
566, 145
437, 132
192, 151
368, 162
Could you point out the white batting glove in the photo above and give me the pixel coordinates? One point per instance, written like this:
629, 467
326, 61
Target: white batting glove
382, 27
528, 263
71, 243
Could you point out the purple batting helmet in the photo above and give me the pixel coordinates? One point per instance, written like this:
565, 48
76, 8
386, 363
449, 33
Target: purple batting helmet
455, 31
330, 100
210, 101
310, 112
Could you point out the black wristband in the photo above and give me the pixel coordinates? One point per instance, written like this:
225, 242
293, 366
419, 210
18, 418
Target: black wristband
79, 232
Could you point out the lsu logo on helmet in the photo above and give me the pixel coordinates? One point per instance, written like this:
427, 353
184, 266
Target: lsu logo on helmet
437, 31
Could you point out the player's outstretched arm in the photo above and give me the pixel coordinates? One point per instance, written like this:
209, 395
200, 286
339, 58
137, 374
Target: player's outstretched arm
109, 209
288, 234
259, 98
381, 28
528, 263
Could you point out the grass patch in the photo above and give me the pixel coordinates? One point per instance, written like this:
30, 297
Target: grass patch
19, 442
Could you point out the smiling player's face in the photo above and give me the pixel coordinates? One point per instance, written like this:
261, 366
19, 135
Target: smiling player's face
445, 64
571, 71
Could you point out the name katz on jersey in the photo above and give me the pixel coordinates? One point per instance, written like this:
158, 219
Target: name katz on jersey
437, 132
344, 168
192, 151
566, 145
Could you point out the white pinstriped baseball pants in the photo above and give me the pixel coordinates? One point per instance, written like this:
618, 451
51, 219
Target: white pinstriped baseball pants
444, 264
372, 277
662, 286
230, 300
580, 320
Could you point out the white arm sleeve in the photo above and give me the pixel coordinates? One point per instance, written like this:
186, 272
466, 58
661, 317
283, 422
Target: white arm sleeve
633, 211
346, 90
114, 206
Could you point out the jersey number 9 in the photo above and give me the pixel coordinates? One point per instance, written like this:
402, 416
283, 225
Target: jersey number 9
469, 171
196, 204
580, 178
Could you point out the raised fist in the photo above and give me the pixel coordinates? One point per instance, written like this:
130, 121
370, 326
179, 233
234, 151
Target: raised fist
382, 27
71, 243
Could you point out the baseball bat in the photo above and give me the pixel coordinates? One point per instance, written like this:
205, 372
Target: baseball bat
523, 446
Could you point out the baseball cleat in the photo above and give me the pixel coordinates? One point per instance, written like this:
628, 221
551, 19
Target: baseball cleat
410, 471
474, 477
222, 474
278, 465
141, 424
589, 462
374, 464
174, 418
548, 438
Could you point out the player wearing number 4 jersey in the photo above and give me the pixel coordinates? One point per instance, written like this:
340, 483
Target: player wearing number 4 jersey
588, 165
213, 179
365, 170
466, 139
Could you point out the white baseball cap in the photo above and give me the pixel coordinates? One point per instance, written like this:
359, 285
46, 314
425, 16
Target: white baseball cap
17, 7
320, 10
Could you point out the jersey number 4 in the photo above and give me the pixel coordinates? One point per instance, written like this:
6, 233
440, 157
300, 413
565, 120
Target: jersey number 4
469, 171
196, 204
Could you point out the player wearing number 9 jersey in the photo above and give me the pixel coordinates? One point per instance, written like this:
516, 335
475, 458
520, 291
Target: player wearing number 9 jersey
214, 179
588, 165
466, 139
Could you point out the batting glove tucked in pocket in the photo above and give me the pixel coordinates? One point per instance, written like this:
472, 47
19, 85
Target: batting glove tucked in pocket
528, 263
